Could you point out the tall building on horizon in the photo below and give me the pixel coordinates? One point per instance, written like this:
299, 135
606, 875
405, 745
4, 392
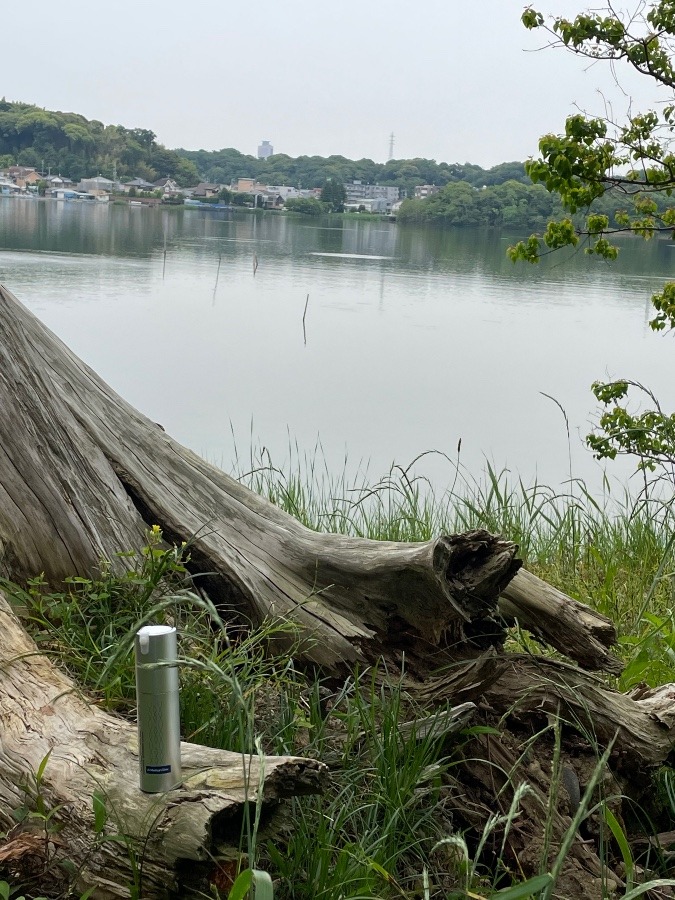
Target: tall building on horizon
265, 149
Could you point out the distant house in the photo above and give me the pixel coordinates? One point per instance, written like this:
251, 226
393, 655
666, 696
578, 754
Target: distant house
28, 179
7, 186
286, 191
245, 186
369, 204
21, 171
98, 185
426, 190
272, 200
168, 187
56, 182
140, 184
205, 190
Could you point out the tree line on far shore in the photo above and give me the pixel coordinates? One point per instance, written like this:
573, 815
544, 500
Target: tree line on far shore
469, 195
460, 204
224, 166
72, 145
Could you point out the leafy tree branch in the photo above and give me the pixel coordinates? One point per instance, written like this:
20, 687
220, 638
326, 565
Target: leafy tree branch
596, 161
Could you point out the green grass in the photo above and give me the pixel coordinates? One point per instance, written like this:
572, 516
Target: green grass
617, 554
391, 824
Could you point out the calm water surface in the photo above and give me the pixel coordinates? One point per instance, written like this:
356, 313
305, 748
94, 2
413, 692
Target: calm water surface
413, 339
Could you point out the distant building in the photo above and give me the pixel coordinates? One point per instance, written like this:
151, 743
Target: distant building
356, 190
422, 191
24, 176
140, 184
168, 187
205, 189
21, 171
265, 149
246, 186
8, 187
285, 191
371, 205
58, 182
98, 185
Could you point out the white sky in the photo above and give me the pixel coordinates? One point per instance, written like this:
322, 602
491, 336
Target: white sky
455, 81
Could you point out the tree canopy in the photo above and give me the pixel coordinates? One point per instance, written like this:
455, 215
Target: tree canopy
75, 146
334, 195
461, 204
619, 177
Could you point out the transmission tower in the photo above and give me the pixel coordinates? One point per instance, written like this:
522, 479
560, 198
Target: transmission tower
391, 145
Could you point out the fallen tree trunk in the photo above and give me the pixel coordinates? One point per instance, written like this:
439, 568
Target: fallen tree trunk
571, 627
642, 725
83, 475
157, 843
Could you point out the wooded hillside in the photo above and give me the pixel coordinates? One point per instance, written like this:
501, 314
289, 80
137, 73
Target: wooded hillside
78, 147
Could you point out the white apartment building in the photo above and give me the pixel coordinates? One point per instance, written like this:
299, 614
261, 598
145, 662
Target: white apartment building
356, 190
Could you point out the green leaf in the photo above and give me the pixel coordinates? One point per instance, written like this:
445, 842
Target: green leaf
620, 838
241, 887
100, 812
649, 886
264, 889
4, 890
524, 889
41, 768
252, 878
479, 729
532, 19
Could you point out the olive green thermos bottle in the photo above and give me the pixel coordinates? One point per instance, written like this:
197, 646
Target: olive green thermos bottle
158, 708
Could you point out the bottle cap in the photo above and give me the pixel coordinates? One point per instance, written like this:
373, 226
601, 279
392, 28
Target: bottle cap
156, 649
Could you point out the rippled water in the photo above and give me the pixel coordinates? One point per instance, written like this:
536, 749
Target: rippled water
412, 339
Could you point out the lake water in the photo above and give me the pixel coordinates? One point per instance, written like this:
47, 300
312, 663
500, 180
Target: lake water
413, 339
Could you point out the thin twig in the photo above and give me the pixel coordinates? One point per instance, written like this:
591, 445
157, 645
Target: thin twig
304, 331
220, 257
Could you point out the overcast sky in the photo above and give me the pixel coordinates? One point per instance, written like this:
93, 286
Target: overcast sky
455, 81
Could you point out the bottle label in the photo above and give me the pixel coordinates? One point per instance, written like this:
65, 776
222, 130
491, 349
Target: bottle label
157, 770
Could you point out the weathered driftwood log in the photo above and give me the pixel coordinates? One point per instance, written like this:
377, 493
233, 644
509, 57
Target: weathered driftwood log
571, 627
495, 768
167, 842
83, 474
527, 698
642, 725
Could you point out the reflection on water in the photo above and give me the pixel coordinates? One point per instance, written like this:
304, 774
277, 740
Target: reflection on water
415, 338
350, 255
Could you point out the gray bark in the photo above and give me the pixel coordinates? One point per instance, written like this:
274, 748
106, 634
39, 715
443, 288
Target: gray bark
176, 838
